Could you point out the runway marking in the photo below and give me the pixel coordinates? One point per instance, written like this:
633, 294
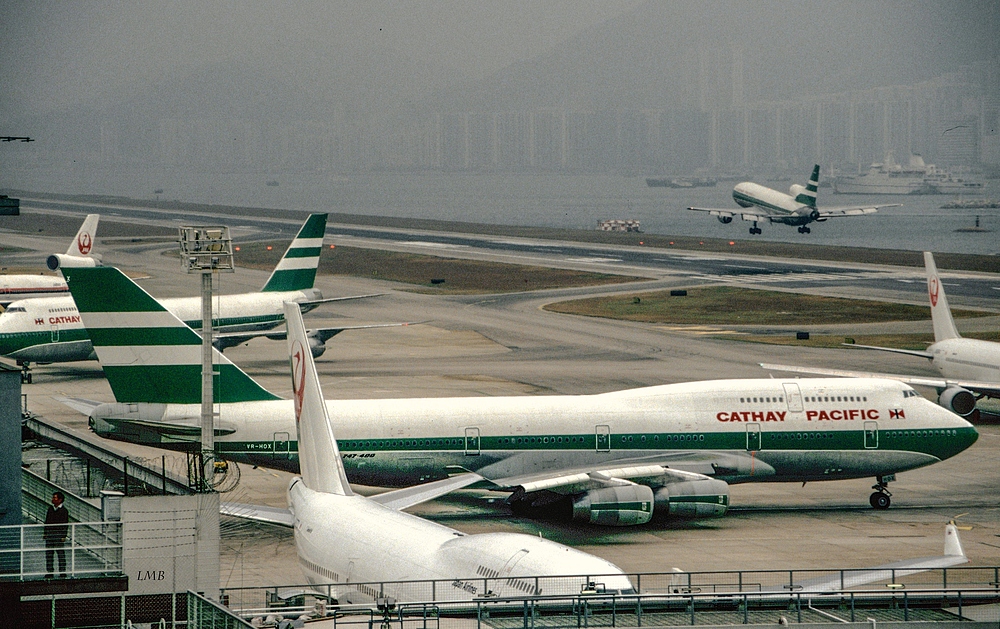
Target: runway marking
594, 260
433, 245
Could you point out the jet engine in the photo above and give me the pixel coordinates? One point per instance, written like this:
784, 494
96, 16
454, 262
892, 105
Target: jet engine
621, 505
795, 190
58, 261
958, 400
725, 219
317, 345
704, 498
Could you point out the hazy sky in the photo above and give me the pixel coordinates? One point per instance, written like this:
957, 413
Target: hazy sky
54, 54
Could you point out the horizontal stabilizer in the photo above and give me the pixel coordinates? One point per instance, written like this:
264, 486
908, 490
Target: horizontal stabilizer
400, 499
79, 404
258, 513
910, 352
330, 300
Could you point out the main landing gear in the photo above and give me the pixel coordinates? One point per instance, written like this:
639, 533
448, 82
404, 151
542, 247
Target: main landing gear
25, 372
880, 499
803, 229
754, 229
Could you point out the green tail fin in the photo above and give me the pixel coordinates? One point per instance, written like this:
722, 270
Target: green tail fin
297, 268
148, 354
808, 196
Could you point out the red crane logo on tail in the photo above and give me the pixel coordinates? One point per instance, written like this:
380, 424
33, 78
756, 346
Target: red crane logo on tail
298, 377
932, 289
84, 242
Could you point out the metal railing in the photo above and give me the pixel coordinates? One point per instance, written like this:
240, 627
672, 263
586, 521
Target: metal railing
89, 549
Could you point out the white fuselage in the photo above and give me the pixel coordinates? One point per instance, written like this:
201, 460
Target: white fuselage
17, 287
50, 330
967, 359
342, 539
798, 430
781, 207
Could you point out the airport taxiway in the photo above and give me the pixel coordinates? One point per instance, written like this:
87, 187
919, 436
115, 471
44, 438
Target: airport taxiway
507, 345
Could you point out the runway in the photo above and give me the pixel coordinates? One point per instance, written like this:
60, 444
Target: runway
489, 345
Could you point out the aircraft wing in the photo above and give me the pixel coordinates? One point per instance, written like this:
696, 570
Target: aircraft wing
911, 352
655, 470
989, 389
258, 513
400, 499
853, 210
324, 334
748, 214
79, 404
847, 579
330, 300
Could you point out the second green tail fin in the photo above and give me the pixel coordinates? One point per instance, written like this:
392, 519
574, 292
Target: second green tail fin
297, 268
148, 354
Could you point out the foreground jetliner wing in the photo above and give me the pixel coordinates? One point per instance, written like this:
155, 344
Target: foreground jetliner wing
853, 210
330, 300
747, 214
225, 340
79, 404
991, 389
846, 579
397, 499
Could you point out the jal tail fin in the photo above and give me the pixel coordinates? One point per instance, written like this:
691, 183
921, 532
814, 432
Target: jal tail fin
944, 325
297, 268
83, 243
808, 195
148, 354
320, 464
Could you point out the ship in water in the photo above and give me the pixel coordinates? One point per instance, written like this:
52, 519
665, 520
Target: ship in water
916, 177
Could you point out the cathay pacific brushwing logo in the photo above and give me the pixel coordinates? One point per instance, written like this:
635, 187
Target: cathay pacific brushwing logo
932, 289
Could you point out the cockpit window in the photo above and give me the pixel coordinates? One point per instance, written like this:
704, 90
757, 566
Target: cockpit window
16, 309
909, 393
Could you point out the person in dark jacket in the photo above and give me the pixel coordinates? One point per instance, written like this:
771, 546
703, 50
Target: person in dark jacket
56, 531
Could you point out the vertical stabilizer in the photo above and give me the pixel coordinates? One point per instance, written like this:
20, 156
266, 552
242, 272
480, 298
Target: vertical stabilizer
808, 196
319, 459
297, 268
148, 354
944, 325
83, 244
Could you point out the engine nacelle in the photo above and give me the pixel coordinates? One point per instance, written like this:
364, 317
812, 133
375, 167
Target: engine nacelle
706, 498
795, 190
316, 345
958, 400
58, 261
624, 505
725, 219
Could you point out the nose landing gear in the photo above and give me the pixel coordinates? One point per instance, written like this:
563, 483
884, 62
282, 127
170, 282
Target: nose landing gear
804, 230
880, 500
754, 229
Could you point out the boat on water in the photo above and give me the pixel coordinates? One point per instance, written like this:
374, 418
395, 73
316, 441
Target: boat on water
970, 204
916, 177
681, 182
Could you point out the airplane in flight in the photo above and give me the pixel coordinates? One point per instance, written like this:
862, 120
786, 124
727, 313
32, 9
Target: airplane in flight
49, 330
612, 458
970, 367
798, 207
334, 527
19, 286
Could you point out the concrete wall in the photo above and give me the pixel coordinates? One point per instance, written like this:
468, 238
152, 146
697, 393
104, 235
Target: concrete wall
171, 544
10, 443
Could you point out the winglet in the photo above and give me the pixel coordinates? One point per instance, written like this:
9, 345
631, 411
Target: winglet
320, 464
944, 325
952, 543
297, 268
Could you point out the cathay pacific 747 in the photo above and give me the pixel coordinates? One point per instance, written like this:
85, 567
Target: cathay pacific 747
798, 207
611, 458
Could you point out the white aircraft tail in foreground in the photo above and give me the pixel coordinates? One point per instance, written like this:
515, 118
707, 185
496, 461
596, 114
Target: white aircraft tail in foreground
798, 207
971, 367
334, 527
24, 286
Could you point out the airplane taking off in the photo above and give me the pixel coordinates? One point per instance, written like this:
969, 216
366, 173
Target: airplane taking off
798, 207
80, 253
612, 458
334, 527
971, 367
50, 330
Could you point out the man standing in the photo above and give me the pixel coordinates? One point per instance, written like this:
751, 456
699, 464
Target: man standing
56, 531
